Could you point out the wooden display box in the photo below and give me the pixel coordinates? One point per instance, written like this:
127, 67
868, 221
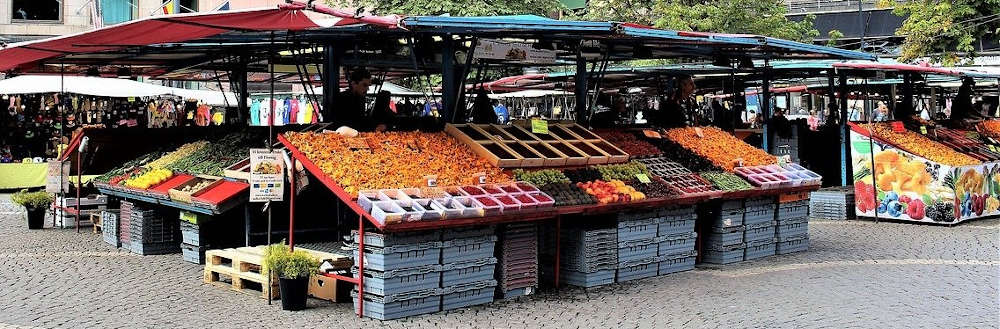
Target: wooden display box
594, 154
529, 156
497, 133
553, 158
615, 154
519, 133
467, 133
574, 157
177, 193
239, 170
579, 131
498, 154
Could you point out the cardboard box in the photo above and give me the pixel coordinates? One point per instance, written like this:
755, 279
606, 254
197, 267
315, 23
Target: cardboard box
327, 288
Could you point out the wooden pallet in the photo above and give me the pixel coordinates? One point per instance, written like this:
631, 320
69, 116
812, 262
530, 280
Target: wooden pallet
243, 267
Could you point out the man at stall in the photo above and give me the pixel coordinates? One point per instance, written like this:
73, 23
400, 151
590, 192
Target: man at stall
674, 110
611, 117
351, 102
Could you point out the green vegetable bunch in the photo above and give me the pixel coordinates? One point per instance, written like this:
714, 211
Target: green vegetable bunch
623, 172
29, 200
540, 177
288, 264
726, 181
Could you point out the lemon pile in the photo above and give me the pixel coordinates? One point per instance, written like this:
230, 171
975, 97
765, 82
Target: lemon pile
149, 179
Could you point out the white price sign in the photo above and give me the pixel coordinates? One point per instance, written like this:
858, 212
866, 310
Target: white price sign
267, 176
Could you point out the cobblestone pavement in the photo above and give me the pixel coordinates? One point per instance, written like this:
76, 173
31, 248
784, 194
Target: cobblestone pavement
856, 274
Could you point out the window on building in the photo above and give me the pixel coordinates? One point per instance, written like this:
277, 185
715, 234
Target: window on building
36, 10
117, 11
188, 6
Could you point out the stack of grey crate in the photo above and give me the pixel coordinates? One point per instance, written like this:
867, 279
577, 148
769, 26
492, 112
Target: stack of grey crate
153, 231
402, 274
676, 239
836, 203
517, 260
759, 227
468, 266
724, 243
192, 243
109, 228
637, 245
589, 255
425, 272
792, 230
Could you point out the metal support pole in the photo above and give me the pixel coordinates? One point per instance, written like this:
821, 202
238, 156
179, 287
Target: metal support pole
291, 206
331, 80
580, 88
79, 184
361, 266
462, 99
831, 97
449, 87
765, 104
246, 223
845, 162
243, 94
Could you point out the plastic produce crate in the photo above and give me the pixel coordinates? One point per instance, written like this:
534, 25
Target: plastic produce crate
191, 234
670, 225
109, 228
761, 201
376, 239
793, 210
759, 232
759, 249
400, 256
454, 274
588, 280
792, 228
639, 229
468, 232
460, 250
728, 218
635, 250
731, 205
792, 244
154, 248
474, 293
399, 281
636, 215
726, 255
758, 215
514, 293
399, 306
678, 243
193, 254
638, 271
725, 237
676, 263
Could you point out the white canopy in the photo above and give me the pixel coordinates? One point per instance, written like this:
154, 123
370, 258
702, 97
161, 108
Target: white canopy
106, 87
532, 93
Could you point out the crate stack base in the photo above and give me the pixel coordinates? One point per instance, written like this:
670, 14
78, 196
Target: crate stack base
124, 223
759, 228
835, 203
517, 271
91, 204
402, 274
637, 245
792, 229
153, 232
724, 242
589, 255
468, 267
109, 229
192, 243
676, 239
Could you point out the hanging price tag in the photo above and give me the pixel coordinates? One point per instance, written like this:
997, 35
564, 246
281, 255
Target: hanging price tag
643, 178
699, 132
651, 134
539, 126
131, 99
923, 130
738, 162
432, 180
480, 177
993, 148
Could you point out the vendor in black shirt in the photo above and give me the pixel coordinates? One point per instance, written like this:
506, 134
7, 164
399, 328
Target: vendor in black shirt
350, 105
674, 109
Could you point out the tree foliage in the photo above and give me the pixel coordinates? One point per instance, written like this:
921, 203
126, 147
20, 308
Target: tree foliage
833, 36
945, 30
454, 7
765, 17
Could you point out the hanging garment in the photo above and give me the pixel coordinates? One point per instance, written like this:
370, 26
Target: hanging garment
294, 111
286, 111
265, 112
255, 113
308, 113
203, 115
218, 116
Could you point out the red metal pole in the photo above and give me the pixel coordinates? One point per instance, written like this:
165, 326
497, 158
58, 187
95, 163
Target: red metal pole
361, 266
79, 185
558, 247
291, 207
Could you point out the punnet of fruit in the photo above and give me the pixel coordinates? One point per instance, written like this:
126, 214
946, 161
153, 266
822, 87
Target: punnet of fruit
611, 191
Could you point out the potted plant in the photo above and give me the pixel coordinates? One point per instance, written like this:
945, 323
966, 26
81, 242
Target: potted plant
35, 203
293, 270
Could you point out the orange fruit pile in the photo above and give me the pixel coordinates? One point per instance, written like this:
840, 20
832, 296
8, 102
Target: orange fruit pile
719, 147
919, 145
394, 160
990, 128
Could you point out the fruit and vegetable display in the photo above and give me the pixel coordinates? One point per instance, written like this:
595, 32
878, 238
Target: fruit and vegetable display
612, 191
567, 194
540, 177
216, 156
149, 179
394, 160
990, 128
726, 181
919, 145
128, 169
663, 167
686, 158
966, 142
622, 172
656, 188
690, 184
721, 148
197, 187
178, 154
629, 142
585, 174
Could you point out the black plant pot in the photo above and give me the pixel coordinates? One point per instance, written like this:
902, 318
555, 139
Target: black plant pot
36, 217
293, 293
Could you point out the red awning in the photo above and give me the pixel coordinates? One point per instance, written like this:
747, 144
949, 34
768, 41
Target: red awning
179, 28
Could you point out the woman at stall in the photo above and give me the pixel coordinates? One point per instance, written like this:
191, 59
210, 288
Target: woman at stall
382, 115
674, 110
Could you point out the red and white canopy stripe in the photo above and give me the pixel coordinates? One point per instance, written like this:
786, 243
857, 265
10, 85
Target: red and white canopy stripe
182, 27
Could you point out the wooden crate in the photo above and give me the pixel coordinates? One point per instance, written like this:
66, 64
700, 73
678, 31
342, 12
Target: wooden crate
594, 155
574, 157
178, 195
579, 131
530, 157
239, 170
486, 151
497, 133
557, 159
519, 133
243, 268
615, 154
